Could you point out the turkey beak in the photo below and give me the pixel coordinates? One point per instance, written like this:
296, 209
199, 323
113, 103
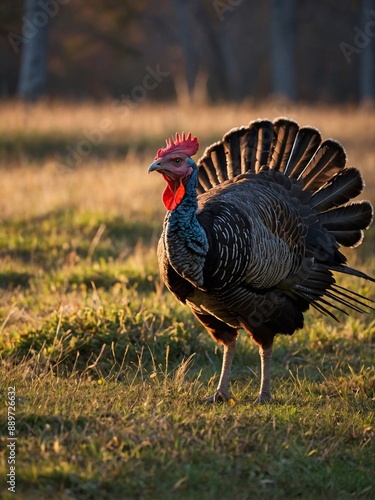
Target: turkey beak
154, 166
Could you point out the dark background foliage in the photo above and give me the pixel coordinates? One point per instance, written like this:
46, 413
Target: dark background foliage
213, 49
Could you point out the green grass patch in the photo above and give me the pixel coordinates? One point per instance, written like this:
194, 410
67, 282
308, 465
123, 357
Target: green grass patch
147, 436
110, 370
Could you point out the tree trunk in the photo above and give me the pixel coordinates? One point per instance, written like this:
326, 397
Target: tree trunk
225, 73
283, 30
32, 81
226, 58
367, 54
186, 34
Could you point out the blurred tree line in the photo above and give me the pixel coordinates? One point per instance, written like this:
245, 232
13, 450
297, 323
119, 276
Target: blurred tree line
199, 50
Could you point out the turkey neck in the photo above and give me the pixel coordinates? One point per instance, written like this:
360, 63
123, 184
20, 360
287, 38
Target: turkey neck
185, 240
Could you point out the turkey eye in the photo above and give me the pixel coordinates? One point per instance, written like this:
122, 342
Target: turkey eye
177, 160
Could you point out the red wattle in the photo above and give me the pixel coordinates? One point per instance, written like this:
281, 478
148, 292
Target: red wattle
179, 194
168, 198
171, 198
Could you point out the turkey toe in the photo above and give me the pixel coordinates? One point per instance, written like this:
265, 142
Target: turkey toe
217, 397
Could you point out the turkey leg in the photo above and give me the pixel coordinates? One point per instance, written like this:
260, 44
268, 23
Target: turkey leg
265, 375
222, 392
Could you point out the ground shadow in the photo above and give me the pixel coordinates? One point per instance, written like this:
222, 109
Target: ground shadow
68, 151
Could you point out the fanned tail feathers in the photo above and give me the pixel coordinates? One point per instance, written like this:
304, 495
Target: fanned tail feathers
329, 159
341, 188
281, 145
299, 154
347, 218
286, 132
320, 169
305, 145
241, 150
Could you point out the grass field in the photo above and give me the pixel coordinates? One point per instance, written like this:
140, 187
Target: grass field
108, 369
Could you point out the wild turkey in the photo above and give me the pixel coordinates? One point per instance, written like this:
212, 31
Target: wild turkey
252, 233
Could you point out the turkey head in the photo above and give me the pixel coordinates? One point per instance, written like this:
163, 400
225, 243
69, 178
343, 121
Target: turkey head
175, 165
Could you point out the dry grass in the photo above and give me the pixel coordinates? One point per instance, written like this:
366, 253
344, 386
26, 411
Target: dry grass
105, 187
36, 182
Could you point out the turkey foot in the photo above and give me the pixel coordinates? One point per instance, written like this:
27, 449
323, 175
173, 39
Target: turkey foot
262, 398
222, 392
265, 375
217, 397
